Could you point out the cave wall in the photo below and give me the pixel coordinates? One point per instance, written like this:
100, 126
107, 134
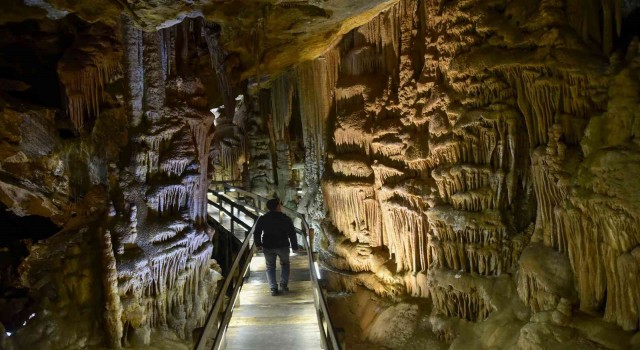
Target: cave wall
119, 162
479, 156
472, 163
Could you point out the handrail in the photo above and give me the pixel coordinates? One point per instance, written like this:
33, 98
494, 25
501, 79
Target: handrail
212, 317
328, 336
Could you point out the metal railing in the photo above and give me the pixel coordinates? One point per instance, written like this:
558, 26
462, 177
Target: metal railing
218, 318
218, 323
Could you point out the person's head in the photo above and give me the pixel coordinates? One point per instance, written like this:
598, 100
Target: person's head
274, 204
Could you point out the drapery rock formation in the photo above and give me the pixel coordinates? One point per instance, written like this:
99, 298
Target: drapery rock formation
470, 166
121, 164
471, 148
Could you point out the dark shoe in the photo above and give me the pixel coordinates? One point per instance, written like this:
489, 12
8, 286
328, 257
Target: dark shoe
275, 292
284, 287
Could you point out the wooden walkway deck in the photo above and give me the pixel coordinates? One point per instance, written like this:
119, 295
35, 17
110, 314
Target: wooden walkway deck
262, 321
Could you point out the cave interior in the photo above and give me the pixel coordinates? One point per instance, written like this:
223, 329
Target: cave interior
470, 167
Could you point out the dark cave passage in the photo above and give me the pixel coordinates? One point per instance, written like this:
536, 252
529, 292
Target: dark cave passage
18, 234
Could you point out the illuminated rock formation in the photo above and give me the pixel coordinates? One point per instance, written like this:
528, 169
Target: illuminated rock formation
453, 147
470, 167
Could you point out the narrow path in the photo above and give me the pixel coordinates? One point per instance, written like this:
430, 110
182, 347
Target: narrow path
286, 321
261, 321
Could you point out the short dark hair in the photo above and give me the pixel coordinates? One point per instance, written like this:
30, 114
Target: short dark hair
272, 204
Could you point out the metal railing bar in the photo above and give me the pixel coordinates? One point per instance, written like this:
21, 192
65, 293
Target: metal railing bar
327, 332
220, 297
321, 303
234, 297
230, 215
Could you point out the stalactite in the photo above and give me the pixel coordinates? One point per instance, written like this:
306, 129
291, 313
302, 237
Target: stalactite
450, 302
171, 198
351, 167
282, 90
316, 82
164, 271
549, 194
212, 37
167, 50
174, 167
363, 60
355, 211
405, 236
417, 284
469, 184
382, 35
84, 72
132, 37
383, 173
472, 242
352, 135
604, 272
583, 16
154, 87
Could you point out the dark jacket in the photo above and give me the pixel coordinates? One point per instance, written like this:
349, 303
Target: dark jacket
274, 230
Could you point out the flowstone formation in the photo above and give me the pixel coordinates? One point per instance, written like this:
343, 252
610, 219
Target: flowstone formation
470, 166
105, 184
476, 159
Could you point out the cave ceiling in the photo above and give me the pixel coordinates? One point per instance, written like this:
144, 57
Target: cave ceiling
267, 36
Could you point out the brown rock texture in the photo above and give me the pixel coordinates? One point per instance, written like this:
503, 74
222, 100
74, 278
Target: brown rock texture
106, 184
467, 152
470, 166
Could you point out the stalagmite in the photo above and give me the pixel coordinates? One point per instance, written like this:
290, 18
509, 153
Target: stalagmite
113, 308
202, 131
470, 168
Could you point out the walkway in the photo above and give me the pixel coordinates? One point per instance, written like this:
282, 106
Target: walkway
286, 321
262, 321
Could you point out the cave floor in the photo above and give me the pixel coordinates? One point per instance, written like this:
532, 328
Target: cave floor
287, 321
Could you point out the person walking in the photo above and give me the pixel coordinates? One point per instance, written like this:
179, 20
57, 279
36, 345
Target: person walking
274, 233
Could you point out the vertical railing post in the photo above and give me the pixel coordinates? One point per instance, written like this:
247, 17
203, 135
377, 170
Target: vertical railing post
231, 205
311, 235
219, 199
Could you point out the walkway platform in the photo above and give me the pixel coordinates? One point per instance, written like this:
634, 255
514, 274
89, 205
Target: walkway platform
286, 321
262, 321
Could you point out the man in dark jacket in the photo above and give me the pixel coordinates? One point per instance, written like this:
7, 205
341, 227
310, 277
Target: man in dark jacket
273, 232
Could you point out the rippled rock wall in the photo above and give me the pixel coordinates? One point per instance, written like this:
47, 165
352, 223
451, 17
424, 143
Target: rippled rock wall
478, 158
119, 163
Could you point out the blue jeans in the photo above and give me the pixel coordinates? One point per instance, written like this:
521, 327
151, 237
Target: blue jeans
270, 259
